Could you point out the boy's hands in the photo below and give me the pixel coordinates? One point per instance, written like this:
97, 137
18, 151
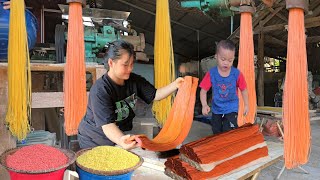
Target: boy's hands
205, 110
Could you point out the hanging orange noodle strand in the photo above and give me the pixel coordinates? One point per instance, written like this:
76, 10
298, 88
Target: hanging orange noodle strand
295, 104
75, 97
246, 66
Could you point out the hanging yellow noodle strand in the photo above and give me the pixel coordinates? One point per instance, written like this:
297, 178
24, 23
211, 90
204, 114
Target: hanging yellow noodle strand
164, 58
19, 74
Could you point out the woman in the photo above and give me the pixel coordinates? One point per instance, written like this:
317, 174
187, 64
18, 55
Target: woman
112, 98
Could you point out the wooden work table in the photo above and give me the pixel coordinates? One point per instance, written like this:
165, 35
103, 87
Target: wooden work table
153, 167
93, 68
52, 99
276, 112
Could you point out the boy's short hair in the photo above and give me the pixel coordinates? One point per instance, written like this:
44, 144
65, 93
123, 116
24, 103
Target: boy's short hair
226, 44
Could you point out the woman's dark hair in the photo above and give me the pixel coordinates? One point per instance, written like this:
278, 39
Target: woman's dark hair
113, 50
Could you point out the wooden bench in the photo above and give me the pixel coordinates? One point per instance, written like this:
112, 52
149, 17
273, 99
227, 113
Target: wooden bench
275, 114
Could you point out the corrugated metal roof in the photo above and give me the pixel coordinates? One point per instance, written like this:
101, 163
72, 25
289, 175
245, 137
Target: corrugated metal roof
188, 20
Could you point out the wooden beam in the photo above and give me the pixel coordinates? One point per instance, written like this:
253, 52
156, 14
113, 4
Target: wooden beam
313, 39
91, 68
313, 8
261, 13
270, 28
274, 52
279, 3
261, 70
273, 13
276, 4
314, 4
281, 16
236, 34
274, 40
312, 22
257, 17
315, 12
52, 67
48, 99
309, 23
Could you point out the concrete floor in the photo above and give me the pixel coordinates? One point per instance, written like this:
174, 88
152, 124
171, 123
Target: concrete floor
313, 166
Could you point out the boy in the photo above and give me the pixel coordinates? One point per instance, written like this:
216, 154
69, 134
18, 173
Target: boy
225, 81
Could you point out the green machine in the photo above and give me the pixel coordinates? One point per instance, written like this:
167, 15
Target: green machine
95, 41
214, 8
220, 8
101, 26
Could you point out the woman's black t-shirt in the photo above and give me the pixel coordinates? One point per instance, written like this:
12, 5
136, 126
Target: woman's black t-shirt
112, 103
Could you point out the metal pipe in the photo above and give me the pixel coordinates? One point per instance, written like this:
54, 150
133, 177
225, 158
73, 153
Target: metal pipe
42, 24
52, 10
222, 7
231, 25
224, 4
192, 3
205, 4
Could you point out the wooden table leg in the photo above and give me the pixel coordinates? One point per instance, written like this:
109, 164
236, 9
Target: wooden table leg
280, 129
261, 123
255, 176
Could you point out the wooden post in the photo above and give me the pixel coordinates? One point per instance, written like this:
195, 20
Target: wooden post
7, 141
261, 70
